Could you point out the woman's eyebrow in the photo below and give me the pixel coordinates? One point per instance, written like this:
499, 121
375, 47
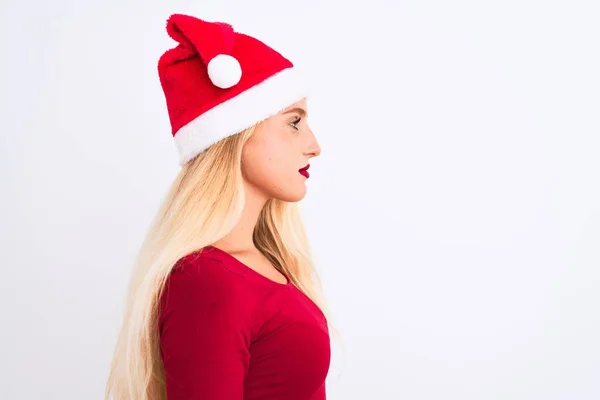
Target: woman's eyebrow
298, 110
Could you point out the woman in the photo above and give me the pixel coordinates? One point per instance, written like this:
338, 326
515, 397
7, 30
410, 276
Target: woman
224, 302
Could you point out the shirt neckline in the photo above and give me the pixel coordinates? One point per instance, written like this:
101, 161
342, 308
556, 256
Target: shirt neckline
250, 270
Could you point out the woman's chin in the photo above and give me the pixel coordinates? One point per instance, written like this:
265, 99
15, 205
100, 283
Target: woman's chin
292, 195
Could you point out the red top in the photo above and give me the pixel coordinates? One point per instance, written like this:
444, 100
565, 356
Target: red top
230, 333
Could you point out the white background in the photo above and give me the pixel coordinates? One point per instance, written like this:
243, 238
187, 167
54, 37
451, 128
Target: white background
454, 211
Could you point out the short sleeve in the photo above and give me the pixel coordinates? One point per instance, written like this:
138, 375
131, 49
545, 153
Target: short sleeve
204, 332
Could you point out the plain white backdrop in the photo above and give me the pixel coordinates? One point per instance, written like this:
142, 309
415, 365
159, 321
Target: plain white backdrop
454, 212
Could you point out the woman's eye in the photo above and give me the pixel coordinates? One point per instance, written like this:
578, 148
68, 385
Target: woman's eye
295, 123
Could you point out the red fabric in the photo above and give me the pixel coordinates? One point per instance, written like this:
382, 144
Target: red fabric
229, 333
183, 73
207, 39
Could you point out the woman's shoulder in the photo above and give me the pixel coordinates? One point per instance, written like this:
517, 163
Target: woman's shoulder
204, 268
200, 283
211, 277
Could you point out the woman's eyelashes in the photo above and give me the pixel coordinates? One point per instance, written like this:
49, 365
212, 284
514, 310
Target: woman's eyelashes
295, 122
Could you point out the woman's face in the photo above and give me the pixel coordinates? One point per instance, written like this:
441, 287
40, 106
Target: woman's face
274, 157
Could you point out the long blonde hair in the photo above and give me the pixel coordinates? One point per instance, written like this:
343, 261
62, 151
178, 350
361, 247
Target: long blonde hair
204, 203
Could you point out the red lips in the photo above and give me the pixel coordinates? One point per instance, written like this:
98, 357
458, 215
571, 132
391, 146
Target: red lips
304, 171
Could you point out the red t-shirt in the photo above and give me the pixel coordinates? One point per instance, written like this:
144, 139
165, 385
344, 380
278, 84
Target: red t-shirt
230, 333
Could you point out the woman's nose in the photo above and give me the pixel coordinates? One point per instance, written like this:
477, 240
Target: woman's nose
314, 148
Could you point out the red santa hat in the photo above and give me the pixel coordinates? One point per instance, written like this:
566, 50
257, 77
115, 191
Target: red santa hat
218, 82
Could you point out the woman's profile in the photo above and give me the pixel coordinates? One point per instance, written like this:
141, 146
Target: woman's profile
224, 302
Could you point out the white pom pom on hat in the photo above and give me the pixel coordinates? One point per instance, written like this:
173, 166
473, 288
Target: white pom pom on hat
224, 71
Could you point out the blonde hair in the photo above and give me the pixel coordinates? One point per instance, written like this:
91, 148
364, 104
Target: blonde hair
202, 205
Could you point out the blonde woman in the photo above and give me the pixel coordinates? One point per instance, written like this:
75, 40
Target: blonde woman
224, 302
